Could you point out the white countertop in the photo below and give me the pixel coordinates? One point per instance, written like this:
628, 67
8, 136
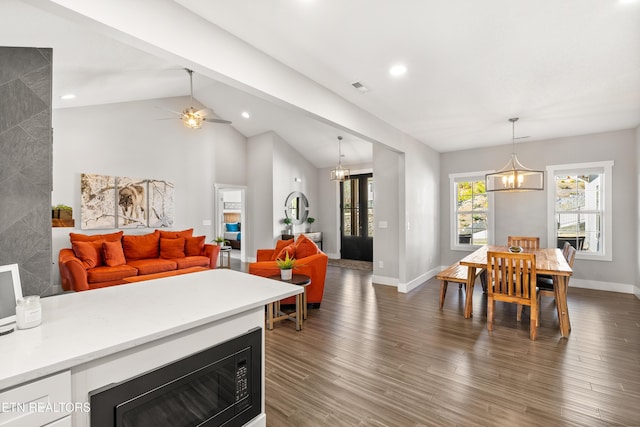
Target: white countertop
83, 326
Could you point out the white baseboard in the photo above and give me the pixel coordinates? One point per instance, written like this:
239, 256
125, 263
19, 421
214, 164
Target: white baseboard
601, 286
383, 280
411, 285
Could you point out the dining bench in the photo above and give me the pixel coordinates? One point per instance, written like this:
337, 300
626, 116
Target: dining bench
454, 273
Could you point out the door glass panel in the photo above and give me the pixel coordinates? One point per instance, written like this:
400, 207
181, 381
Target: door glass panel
370, 224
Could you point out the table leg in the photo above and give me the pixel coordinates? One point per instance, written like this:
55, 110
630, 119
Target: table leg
468, 303
304, 303
299, 314
270, 315
560, 290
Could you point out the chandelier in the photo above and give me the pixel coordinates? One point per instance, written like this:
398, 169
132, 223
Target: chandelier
514, 176
339, 174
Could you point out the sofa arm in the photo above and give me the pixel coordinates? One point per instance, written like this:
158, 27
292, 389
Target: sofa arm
264, 254
73, 275
212, 252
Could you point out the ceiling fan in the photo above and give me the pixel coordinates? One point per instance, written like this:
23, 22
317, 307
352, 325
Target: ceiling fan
193, 118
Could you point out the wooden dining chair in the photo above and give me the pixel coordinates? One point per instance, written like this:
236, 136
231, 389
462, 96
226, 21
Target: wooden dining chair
512, 279
545, 283
524, 242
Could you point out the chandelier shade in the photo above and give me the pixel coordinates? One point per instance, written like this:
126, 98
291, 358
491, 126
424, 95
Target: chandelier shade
514, 176
340, 174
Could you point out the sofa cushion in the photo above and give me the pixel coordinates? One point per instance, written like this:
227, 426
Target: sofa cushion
90, 253
142, 246
280, 244
111, 237
150, 266
305, 247
289, 249
194, 245
113, 254
232, 227
185, 234
172, 248
193, 261
106, 273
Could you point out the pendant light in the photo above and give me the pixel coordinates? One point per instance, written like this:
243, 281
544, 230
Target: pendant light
339, 174
514, 176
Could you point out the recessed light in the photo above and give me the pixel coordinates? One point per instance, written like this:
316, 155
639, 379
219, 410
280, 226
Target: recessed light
398, 70
246, 115
68, 96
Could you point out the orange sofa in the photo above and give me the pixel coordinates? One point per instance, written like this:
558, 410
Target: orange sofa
101, 260
311, 261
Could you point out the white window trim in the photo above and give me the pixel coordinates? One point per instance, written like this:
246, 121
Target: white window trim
607, 166
478, 176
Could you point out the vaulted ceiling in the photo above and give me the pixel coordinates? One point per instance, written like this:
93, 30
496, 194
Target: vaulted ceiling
565, 68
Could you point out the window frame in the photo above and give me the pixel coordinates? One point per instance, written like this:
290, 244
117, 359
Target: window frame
605, 168
468, 176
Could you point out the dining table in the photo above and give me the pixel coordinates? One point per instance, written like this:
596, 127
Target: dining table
549, 261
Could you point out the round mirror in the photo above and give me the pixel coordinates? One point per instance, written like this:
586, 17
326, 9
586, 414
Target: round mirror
296, 207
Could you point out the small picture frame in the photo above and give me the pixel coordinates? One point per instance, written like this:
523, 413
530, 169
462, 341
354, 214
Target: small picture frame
10, 291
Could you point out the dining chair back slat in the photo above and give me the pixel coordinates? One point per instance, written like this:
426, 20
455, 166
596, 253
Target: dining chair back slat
512, 279
524, 242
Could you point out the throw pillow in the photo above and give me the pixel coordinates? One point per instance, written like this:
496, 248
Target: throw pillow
175, 234
144, 246
111, 237
290, 249
232, 227
194, 246
172, 248
305, 247
279, 245
90, 253
113, 254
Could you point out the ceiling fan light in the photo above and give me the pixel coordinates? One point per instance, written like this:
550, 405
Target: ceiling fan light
191, 119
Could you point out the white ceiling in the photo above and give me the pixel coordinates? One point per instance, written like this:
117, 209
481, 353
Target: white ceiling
567, 67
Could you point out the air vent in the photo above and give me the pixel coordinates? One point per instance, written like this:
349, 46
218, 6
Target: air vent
362, 88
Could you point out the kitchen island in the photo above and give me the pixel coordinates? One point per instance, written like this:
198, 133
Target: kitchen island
89, 340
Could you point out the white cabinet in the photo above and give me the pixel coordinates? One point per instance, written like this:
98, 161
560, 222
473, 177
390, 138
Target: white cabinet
37, 403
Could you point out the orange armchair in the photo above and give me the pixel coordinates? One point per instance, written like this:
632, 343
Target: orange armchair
314, 266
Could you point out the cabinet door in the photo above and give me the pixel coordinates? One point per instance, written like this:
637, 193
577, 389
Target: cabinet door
37, 403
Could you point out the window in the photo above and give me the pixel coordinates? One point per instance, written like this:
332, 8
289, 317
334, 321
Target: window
579, 208
472, 211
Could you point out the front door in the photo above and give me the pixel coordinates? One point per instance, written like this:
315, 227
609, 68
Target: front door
356, 223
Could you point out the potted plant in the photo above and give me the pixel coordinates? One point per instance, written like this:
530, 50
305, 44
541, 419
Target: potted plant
286, 266
287, 225
310, 221
61, 212
220, 241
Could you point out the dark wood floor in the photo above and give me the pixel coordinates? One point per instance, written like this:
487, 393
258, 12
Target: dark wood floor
373, 357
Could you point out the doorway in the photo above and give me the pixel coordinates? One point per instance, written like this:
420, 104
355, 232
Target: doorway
356, 218
230, 212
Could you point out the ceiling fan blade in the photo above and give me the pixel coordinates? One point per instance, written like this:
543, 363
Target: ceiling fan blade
204, 111
217, 120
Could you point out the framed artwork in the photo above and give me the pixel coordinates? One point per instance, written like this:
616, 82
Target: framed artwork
122, 202
132, 202
97, 204
161, 203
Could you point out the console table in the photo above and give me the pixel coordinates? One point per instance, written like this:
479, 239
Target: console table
316, 236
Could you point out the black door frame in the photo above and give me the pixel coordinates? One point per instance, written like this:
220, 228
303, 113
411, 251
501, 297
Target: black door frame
360, 246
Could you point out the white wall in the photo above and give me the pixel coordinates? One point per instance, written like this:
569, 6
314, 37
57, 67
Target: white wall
637, 287
526, 213
272, 166
127, 140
